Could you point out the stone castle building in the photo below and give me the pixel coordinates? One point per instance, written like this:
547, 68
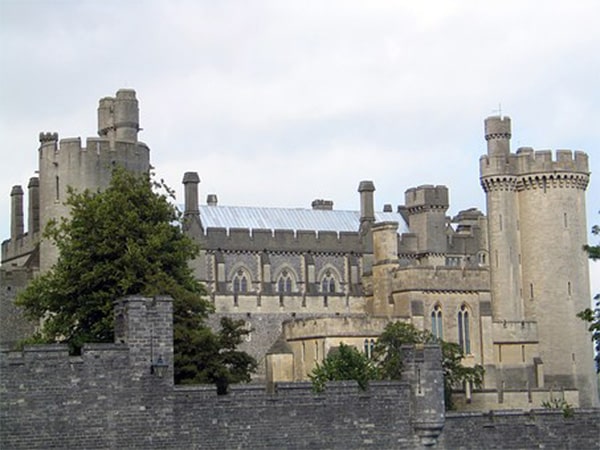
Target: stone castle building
506, 286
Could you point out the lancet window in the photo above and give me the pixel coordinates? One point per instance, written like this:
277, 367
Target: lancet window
436, 322
464, 338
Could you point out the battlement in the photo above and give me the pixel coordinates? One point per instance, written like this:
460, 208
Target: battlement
244, 239
70, 151
57, 355
540, 161
563, 168
527, 160
426, 197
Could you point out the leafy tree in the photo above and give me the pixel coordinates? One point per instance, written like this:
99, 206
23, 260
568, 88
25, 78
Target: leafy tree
206, 357
389, 356
592, 316
346, 363
125, 240
387, 364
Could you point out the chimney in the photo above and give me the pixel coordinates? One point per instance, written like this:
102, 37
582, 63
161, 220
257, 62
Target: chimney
16, 222
190, 183
322, 205
211, 200
34, 205
367, 210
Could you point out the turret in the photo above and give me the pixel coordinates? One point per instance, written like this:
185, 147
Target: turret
119, 117
499, 181
385, 259
426, 207
497, 135
538, 270
71, 163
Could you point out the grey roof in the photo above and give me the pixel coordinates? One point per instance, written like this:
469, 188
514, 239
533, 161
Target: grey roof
259, 218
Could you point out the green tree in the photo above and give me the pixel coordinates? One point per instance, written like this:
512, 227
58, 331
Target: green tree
125, 240
207, 357
592, 316
388, 355
344, 363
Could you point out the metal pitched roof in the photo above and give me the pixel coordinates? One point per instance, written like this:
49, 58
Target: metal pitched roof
261, 218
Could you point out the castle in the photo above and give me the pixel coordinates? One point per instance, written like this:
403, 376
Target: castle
506, 286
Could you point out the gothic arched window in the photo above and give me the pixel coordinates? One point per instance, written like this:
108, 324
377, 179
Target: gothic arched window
284, 283
240, 282
328, 285
464, 338
436, 322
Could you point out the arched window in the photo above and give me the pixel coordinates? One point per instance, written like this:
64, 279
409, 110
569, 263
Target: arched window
436, 322
328, 285
240, 282
284, 283
369, 347
464, 338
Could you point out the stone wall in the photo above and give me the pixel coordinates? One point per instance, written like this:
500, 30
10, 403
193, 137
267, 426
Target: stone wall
13, 325
108, 397
547, 429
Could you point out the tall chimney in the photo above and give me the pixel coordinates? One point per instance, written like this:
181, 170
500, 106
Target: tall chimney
16, 213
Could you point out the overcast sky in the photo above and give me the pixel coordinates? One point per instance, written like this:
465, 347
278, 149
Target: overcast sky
276, 103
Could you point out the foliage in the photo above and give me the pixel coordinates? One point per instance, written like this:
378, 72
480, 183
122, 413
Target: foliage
206, 357
592, 316
347, 363
387, 364
388, 350
125, 240
560, 403
389, 356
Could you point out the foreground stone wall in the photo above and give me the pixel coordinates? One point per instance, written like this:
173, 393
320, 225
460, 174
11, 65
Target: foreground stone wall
548, 429
108, 398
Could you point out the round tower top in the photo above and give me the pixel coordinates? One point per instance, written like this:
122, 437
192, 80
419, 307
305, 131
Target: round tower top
126, 94
497, 127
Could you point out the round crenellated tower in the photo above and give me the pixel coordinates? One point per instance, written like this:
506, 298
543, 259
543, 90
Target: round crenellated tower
67, 162
539, 270
119, 117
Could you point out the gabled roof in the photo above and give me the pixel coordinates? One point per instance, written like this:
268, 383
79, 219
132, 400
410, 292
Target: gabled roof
259, 218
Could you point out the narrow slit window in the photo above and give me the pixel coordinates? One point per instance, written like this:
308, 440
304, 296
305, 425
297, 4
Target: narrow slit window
436, 322
464, 338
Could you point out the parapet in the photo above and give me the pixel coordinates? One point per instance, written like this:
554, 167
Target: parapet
246, 239
48, 137
98, 154
530, 161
